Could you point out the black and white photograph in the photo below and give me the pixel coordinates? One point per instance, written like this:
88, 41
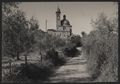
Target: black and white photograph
59, 42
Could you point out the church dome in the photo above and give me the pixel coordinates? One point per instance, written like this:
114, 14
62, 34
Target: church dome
65, 21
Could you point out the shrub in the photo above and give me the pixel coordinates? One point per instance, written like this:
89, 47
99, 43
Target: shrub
55, 57
31, 72
70, 50
38, 71
101, 54
101, 50
76, 39
110, 69
13, 77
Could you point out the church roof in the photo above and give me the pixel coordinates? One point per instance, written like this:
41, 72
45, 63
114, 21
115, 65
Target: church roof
65, 22
51, 30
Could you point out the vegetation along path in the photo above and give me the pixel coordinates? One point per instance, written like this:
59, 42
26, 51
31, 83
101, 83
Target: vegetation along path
75, 70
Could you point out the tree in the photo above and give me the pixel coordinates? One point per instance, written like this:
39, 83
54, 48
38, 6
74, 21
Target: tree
100, 48
105, 23
8, 9
83, 34
33, 24
15, 34
17, 31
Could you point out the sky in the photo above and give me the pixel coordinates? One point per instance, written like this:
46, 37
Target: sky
79, 14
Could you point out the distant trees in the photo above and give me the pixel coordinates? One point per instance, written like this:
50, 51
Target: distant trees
83, 34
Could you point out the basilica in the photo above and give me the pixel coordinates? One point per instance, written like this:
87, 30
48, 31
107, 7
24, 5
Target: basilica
63, 27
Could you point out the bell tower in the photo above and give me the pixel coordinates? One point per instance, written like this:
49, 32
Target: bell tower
58, 12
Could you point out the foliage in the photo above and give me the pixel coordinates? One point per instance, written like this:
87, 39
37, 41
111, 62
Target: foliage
8, 8
76, 39
83, 34
101, 49
38, 71
33, 24
102, 22
17, 37
54, 57
30, 72
70, 50
47, 41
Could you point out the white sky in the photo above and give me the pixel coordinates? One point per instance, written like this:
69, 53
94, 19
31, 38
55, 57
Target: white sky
78, 13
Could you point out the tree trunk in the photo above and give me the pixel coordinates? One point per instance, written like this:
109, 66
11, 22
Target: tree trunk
25, 59
10, 61
18, 58
41, 56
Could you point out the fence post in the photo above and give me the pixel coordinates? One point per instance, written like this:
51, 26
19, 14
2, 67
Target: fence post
41, 56
10, 65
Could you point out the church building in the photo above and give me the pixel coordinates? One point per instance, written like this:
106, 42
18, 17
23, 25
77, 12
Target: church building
63, 27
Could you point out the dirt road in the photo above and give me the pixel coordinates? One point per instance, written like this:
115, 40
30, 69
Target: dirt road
75, 70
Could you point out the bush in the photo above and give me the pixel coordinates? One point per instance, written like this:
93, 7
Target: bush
101, 50
70, 50
38, 71
31, 72
14, 76
110, 69
55, 58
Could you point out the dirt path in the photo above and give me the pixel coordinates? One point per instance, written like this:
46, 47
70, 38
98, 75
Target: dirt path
75, 70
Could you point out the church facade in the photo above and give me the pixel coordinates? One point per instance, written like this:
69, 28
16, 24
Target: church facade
63, 27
